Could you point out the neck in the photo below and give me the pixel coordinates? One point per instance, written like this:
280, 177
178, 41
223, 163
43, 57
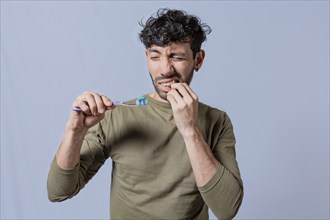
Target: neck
155, 96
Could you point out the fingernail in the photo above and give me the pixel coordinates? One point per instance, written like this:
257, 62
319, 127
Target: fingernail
101, 110
110, 105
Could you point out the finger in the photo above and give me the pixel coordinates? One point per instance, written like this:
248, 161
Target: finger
182, 90
177, 96
186, 96
107, 102
89, 97
171, 99
192, 93
83, 106
93, 119
100, 108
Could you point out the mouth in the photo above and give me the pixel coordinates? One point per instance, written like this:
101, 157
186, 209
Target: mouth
168, 83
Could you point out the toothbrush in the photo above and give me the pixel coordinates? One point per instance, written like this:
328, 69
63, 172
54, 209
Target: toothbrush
140, 101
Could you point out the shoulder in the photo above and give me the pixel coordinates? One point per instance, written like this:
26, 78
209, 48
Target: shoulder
211, 111
215, 117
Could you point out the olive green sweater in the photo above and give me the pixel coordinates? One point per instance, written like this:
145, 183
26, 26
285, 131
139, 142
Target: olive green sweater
152, 176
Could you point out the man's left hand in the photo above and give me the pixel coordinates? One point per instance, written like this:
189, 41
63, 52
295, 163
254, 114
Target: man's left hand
184, 104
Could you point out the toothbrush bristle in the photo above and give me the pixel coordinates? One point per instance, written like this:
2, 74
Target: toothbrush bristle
141, 101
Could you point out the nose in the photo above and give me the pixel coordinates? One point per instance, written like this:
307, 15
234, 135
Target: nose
166, 66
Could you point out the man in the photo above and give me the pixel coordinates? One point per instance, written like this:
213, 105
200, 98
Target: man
173, 158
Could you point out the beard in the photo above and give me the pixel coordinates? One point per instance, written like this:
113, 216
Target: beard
163, 94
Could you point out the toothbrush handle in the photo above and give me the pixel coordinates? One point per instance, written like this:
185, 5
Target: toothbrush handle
117, 102
114, 103
76, 109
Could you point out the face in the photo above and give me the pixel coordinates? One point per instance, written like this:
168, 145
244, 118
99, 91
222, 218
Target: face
171, 64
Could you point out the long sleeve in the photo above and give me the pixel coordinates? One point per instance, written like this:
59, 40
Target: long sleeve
152, 177
224, 192
64, 184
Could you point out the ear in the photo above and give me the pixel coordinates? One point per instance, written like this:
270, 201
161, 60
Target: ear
199, 58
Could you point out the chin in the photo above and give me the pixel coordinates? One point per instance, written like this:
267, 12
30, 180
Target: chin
161, 94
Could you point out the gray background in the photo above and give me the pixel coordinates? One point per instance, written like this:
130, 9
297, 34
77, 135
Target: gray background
267, 65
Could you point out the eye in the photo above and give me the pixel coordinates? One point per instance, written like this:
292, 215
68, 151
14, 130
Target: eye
177, 58
154, 57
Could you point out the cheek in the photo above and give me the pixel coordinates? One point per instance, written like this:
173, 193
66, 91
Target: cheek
152, 69
184, 70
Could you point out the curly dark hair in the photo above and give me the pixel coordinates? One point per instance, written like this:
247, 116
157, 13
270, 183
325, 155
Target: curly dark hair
174, 26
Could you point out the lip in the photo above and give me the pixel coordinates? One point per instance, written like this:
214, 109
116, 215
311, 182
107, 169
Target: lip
166, 84
167, 88
168, 80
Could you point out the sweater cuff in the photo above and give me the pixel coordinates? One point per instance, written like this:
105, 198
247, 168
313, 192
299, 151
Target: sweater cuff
63, 171
213, 181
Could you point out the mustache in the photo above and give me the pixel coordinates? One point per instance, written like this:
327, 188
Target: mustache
168, 76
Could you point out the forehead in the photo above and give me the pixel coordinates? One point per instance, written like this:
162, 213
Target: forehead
171, 48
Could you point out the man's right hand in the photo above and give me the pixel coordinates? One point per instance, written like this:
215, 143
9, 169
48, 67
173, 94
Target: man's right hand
93, 107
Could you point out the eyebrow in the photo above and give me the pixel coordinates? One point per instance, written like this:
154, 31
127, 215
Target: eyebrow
171, 54
153, 51
178, 54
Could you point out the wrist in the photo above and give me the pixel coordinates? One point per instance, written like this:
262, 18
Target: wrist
191, 133
74, 131
68, 154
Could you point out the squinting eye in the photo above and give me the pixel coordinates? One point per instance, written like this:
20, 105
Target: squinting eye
177, 58
154, 58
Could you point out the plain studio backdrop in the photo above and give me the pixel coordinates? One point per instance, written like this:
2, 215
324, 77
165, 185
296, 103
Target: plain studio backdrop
267, 66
